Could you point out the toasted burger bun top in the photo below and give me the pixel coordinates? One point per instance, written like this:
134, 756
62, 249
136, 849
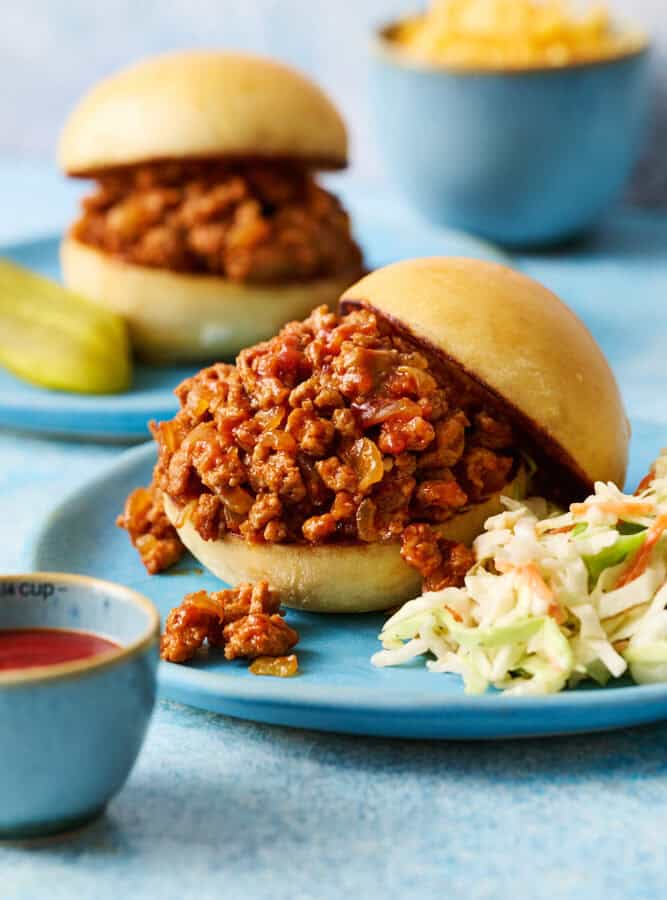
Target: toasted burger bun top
520, 343
202, 105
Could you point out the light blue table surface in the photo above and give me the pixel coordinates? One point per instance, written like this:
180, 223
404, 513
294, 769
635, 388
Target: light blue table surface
222, 808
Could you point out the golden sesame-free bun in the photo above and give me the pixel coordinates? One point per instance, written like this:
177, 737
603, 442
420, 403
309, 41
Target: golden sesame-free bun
327, 578
177, 316
522, 344
199, 105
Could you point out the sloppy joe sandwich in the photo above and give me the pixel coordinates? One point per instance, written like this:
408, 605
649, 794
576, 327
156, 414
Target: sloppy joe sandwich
358, 453
206, 229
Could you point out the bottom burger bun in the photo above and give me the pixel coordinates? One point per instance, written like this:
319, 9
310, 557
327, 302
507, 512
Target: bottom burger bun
174, 316
329, 578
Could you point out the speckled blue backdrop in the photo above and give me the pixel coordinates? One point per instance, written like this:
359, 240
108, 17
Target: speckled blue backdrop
218, 808
221, 808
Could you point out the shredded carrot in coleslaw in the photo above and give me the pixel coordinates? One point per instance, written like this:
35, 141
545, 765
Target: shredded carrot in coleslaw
645, 483
627, 508
528, 575
638, 565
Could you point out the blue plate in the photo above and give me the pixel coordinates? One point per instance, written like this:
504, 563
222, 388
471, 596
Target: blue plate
337, 689
385, 237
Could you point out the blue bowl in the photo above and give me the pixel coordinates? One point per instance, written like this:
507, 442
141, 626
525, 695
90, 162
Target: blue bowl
70, 733
519, 157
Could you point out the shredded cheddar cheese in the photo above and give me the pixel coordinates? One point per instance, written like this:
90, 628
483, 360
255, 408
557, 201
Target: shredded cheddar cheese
514, 34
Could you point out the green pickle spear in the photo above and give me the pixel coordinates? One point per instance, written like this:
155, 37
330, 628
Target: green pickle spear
57, 339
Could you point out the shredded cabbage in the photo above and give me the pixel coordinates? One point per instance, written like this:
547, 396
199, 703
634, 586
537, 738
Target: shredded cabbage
552, 598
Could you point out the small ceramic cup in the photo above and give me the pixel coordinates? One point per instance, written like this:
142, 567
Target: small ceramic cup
519, 157
70, 733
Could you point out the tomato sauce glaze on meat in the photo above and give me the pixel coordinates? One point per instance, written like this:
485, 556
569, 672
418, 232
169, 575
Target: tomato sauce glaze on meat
335, 430
262, 222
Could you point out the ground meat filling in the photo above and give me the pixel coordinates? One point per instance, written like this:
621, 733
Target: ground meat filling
442, 563
150, 530
334, 430
246, 621
262, 223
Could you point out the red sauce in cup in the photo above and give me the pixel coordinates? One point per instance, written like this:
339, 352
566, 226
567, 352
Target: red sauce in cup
27, 648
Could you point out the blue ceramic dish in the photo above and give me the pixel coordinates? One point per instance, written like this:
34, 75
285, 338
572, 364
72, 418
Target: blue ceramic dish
520, 157
71, 732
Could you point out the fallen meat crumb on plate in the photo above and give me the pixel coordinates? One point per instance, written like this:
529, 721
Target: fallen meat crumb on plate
247, 622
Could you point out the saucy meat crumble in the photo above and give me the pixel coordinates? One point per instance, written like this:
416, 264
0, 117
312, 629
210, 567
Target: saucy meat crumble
246, 621
335, 430
150, 530
261, 223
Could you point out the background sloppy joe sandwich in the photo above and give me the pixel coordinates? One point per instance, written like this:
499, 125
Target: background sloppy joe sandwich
355, 454
206, 229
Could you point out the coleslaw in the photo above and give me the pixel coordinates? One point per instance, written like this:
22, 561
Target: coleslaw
552, 599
